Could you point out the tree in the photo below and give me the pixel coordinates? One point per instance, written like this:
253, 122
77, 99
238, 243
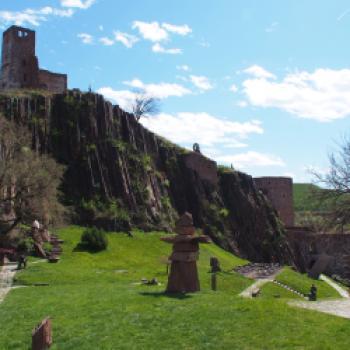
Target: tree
144, 105
335, 191
28, 181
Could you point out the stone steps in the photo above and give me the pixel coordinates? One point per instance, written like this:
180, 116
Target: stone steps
302, 295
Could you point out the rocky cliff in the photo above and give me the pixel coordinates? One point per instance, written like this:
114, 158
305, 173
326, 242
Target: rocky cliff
118, 174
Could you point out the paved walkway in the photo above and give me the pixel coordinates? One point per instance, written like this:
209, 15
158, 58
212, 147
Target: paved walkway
340, 307
247, 293
344, 293
7, 274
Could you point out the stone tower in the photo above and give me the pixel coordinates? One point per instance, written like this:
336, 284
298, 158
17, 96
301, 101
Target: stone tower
20, 67
279, 190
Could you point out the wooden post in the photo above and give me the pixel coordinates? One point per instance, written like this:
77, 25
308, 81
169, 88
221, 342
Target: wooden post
42, 335
213, 281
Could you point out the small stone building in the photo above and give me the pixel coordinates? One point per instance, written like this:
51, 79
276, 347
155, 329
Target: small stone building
20, 66
279, 190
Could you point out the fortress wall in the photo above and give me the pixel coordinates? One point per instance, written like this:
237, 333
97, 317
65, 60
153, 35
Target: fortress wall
54, 82
279, 190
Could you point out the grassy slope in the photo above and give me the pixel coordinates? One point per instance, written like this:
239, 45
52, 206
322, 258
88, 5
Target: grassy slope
303, 199
96, 306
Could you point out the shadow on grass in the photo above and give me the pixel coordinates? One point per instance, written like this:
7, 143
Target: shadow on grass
79, 248
179, 296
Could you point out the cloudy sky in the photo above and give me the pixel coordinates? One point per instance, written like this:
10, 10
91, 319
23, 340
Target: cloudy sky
262, 85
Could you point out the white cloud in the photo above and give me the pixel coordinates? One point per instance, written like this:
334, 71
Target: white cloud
208, 130
259, 72
100, 27
160, 90
242, 104
272, 27
251, 159
323, 95
126, 39
106, 41
32, 16
85, 38
160, 49
181, 30
78, 3
233, 88
124, 98
151, 31
183, 67
201, 82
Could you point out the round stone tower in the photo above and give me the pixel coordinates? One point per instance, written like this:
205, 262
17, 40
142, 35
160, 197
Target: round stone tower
279, 190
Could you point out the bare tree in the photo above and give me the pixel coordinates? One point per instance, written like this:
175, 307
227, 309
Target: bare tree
28, 181
335, 190
145, 105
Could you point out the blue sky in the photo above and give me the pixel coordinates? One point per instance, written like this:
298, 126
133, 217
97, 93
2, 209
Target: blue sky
262, 85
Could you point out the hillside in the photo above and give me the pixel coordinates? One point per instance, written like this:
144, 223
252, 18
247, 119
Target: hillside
304, 200
121, 175
96, 302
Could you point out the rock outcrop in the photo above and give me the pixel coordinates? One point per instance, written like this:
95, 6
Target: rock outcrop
118, 174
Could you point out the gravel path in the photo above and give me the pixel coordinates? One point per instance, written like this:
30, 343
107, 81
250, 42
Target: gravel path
7, 274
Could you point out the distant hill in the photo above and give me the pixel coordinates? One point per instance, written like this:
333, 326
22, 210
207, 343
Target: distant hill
304, 199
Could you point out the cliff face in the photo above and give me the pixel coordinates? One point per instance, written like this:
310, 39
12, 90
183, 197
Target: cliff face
119, 173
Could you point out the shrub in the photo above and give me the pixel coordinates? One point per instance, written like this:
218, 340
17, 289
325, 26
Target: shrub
94, 239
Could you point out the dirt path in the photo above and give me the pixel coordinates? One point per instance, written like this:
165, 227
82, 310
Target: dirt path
7, 274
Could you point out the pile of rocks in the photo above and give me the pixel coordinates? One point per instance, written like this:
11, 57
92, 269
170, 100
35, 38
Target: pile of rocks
56, 249
258, 270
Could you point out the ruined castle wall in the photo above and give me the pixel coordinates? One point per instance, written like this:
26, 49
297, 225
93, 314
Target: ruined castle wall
308, 246
52, 81
279, 190
20, 67
19, 63
205, 168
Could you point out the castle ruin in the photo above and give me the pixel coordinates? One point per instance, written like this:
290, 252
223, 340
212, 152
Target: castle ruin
279, 190
20, 66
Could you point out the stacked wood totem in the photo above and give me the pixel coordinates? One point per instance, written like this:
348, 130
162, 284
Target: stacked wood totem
183, 276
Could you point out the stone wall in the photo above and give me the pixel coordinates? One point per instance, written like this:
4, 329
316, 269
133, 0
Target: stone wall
20, 67
54, 82
204, 167
279, 190
308, 246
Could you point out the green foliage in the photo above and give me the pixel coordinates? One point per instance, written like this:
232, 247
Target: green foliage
94, 239
166, 202
305, 199
120, 145
25, 245
223, 169
224, 212
99, 208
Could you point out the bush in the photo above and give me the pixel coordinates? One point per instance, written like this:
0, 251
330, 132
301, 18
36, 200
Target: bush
94, 239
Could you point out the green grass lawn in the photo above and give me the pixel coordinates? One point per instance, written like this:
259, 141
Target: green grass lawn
302, 283
95, 302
